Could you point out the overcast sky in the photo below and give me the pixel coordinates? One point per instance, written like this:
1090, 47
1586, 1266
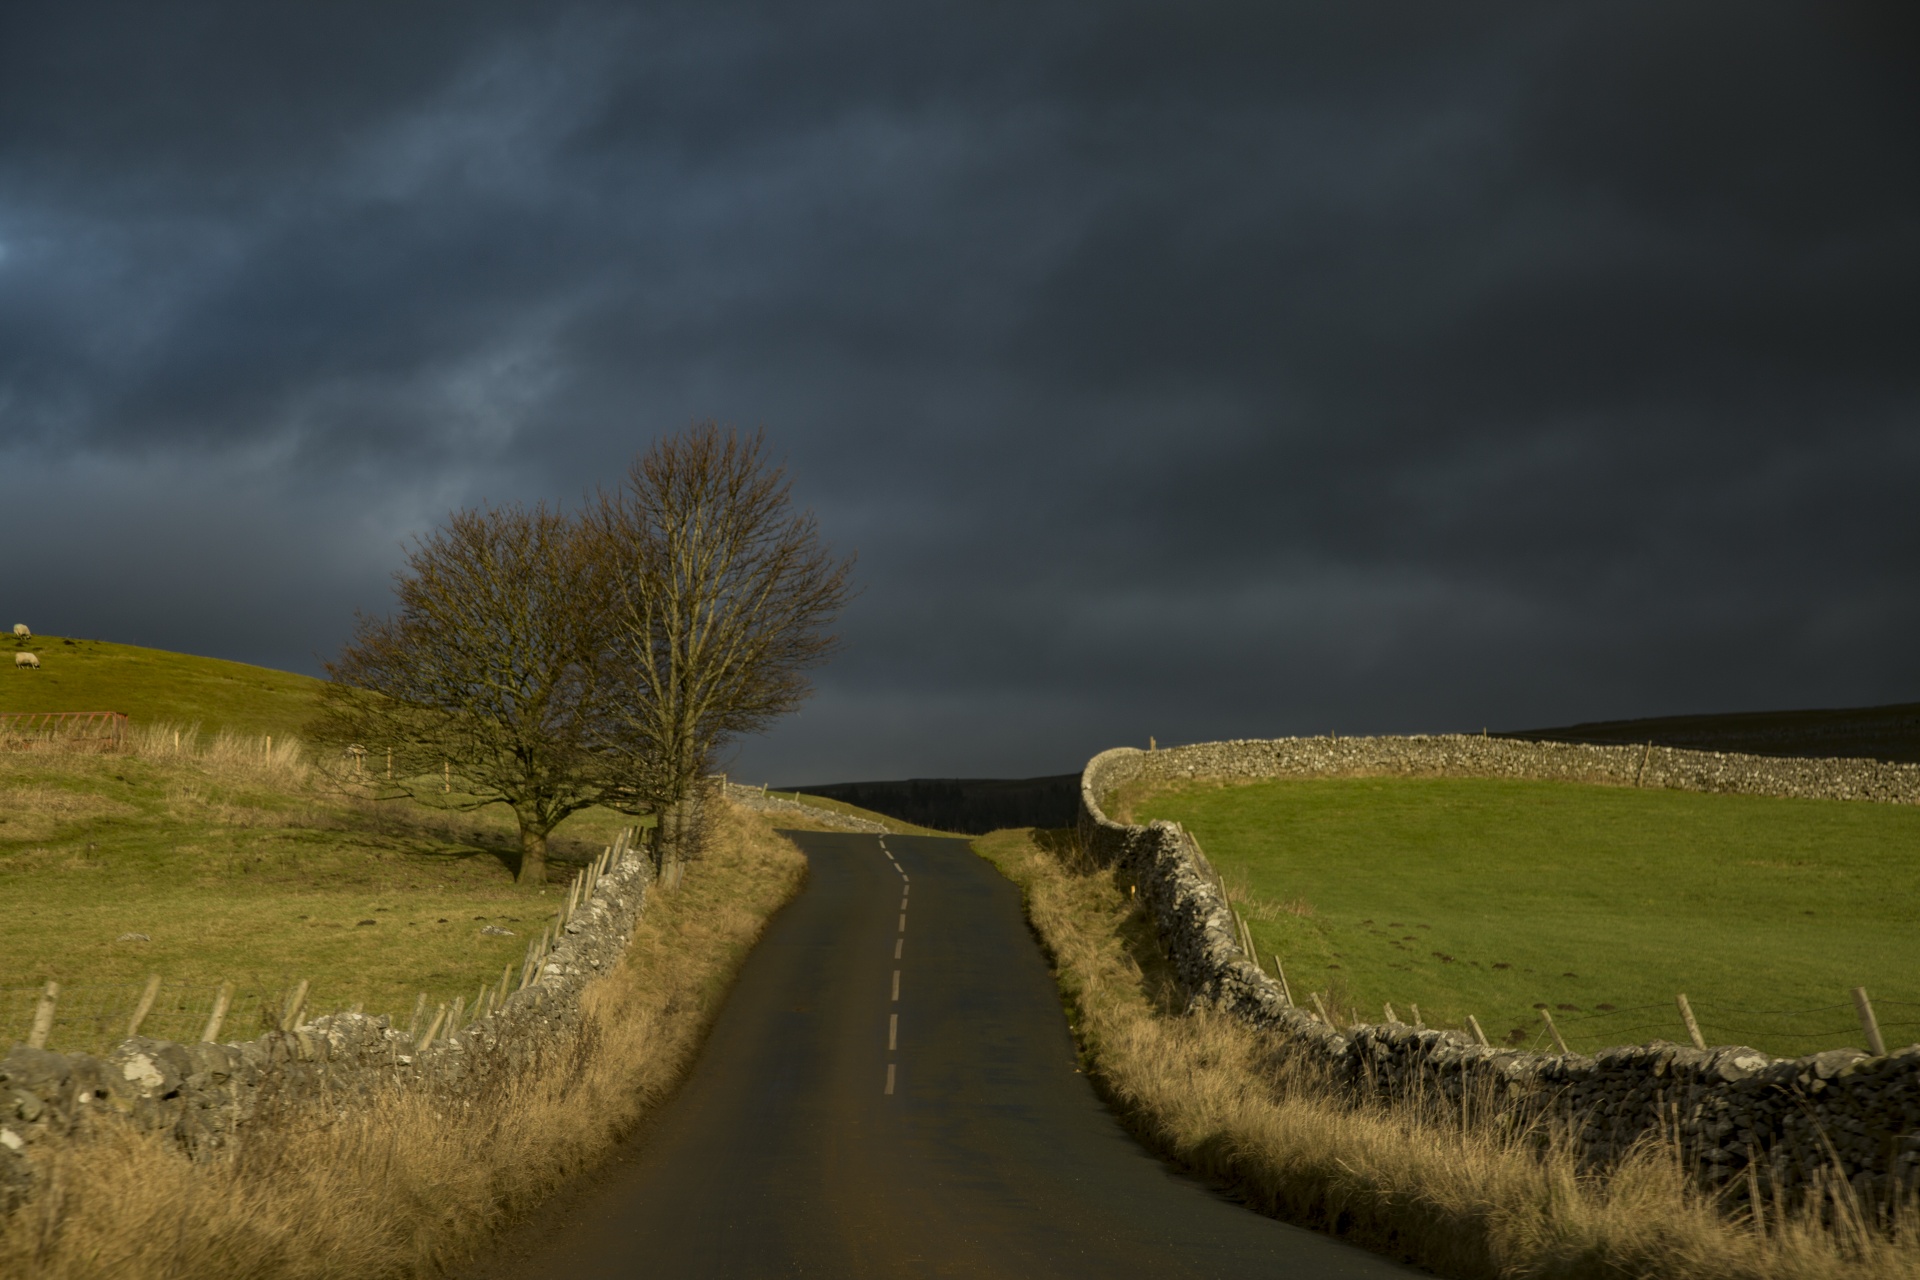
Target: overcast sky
1191, 370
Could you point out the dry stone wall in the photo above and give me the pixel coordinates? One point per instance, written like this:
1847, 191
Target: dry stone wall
202, 1093
779, 806
1745, 1120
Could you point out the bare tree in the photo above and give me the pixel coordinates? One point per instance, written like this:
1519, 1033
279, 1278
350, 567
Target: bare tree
482, 684
720, 596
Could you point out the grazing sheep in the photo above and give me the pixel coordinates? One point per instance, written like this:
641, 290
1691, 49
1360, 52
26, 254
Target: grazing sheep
27, 660
23, 631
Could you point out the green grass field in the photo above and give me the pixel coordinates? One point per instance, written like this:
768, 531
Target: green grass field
152, 685
249, 873
235, 866
1492, 897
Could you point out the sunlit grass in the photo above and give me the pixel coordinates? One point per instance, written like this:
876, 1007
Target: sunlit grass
1491, 896
236, 866
152, 685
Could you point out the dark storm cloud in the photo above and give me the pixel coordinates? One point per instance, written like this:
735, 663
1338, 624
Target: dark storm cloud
1195, 371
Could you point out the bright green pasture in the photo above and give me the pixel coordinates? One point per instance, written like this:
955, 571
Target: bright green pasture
153, 685
1491, 897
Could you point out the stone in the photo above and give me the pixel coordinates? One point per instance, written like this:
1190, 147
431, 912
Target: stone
1835, 1062
41, 1070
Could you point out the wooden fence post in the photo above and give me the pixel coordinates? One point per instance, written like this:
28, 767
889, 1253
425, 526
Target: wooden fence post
43, 1016
1391, 1015
141, 1010
1473, 1025
1868, 1023
1686, 1016
1321, 1006
1417, 1024
290, 1016
419, 1012
1546, 1016
221, 1001
1280, 971
439, 1016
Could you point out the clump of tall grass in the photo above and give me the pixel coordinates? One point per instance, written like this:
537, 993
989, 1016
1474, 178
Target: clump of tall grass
268, 758
413, 1180
1423, 1182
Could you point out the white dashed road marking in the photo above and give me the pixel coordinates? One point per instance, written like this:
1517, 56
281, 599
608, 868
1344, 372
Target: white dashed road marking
893, 1019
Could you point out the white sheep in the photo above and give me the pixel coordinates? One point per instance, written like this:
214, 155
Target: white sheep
27, 660
22, 630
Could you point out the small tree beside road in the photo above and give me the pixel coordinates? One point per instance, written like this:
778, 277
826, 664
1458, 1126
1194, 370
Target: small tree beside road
482, 683
550, 663
719, 597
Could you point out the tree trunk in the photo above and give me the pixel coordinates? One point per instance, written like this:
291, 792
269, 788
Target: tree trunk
533, 856
669, 831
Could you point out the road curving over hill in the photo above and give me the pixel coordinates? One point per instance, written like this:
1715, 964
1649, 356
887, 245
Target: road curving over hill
891, 1090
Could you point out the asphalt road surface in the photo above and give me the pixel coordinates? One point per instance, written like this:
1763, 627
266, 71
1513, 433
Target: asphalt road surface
889, 1091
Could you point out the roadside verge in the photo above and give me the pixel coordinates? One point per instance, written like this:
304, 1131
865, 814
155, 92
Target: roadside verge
1422, 1180
391, 1180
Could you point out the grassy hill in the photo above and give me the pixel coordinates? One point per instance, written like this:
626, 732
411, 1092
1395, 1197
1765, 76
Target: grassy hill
214, 861
152, 685
1492, 897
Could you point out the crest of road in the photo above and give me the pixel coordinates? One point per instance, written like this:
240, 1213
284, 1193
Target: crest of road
891, 1090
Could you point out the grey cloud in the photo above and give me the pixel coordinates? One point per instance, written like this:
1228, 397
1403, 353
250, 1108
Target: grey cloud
1193, 371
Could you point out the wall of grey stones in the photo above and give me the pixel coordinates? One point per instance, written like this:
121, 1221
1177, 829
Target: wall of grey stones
1743, 1119
203, 1093
780, 807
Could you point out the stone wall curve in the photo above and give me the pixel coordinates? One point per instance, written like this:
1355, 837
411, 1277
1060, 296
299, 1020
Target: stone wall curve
1797, 1123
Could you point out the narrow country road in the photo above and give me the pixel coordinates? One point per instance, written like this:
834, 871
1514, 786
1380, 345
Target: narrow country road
891, 1091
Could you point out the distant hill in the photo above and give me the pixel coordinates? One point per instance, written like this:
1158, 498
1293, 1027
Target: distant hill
152, 685
971, 806
1882, 733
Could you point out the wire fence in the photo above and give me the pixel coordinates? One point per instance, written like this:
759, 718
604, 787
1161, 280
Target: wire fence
93, 1017
1786, 1033
1782, 1033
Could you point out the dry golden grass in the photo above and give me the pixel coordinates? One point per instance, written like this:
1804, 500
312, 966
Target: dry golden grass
283, 760
1419, 1183
410, 1182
